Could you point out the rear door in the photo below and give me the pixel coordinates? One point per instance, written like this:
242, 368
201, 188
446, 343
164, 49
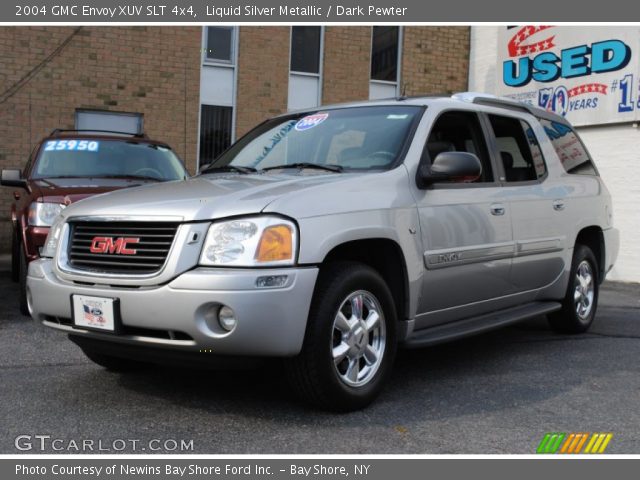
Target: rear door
537, 204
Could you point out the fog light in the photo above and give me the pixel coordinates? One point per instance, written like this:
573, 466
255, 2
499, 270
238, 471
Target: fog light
227, 318
272, 281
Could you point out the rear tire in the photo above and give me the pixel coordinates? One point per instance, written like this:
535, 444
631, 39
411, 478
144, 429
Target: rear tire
22, 281
113, 364
350, 342
581, 300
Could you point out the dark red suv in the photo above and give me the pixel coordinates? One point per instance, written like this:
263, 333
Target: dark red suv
70, 165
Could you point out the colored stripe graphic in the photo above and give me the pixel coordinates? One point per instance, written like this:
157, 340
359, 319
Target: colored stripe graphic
598, 443
581, 443
569, 443
550, 443
572, 443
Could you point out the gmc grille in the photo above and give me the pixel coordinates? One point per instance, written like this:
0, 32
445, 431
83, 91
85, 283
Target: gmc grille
152, 248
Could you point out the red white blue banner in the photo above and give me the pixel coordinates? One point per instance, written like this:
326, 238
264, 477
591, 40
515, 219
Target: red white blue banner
589, 74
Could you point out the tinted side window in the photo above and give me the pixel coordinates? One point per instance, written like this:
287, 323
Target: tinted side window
571, 152
27, 168
459, 132
520, 152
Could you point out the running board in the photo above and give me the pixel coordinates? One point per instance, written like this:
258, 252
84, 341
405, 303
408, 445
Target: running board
475, 325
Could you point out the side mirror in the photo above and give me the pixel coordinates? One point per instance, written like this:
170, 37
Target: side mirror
12, 177
450, 167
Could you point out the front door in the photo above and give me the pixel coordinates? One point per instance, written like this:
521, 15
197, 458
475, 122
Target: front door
466, 230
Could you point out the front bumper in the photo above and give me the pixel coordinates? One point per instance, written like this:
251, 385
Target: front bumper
271, 321
611, 248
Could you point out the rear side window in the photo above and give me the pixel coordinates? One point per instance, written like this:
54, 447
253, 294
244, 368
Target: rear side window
572, 154
520, 152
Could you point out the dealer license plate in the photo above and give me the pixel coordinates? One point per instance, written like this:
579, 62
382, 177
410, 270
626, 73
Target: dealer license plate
94, 312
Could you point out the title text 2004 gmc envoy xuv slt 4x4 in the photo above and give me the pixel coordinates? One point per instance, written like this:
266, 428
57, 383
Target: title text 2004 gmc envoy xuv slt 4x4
328, 238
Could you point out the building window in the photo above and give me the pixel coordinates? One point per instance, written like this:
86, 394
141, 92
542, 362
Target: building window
219, 45
305, 49
215, 131
385, 61
305, 75
384, 53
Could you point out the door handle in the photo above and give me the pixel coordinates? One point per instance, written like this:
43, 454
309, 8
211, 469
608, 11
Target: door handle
497, 209
558, 205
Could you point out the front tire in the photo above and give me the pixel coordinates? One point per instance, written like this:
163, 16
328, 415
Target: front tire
15, 257
350, 341
581, 300
22, 281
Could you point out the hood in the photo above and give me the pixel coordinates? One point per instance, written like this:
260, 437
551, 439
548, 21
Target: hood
205, 197
71, 190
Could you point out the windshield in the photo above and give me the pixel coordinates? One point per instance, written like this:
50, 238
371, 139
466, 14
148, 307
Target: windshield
107, 158
352, 138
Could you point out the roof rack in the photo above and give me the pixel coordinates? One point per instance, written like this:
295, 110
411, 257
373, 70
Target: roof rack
421, 95
62, 130
509, 104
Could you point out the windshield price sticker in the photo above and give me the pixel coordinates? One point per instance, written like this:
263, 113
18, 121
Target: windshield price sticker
311, 121
72, 145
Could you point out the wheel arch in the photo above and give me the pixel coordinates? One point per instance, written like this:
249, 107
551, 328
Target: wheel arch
593, 238
387, 258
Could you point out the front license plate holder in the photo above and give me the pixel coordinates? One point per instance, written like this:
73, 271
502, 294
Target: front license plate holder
100, 314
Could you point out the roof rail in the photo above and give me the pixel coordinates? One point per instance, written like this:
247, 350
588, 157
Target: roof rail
422, 95
509, 104
62, 130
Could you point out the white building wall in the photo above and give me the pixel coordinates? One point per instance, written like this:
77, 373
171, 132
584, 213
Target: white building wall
615, 148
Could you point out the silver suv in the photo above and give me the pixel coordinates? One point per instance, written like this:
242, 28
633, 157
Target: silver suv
328, 238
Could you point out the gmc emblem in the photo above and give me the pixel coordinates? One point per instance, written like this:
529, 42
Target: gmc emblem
119, 246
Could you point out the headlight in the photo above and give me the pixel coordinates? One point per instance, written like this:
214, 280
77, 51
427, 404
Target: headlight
43, 214
53, 238
250, 242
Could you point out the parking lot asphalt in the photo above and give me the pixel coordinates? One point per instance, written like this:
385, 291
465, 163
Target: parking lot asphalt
496, 393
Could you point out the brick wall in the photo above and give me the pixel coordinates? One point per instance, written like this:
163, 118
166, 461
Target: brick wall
150, 70
156, 71
263, 70
347, 67
435, 60
263, 75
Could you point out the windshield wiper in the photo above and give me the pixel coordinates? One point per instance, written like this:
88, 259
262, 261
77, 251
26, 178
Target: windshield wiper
301, 165
47, 181
142, 177
228, 168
